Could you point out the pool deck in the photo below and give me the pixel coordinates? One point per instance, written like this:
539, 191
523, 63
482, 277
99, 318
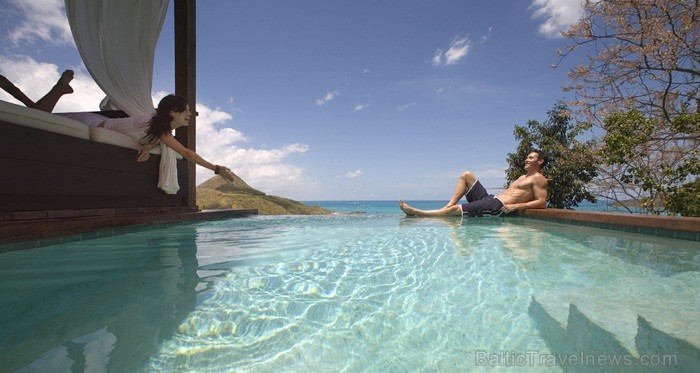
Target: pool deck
685, 228
20, 231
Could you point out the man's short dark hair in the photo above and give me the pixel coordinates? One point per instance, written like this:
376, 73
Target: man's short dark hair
541, 155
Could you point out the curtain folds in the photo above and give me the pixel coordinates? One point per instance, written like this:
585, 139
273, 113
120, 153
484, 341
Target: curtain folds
117, 42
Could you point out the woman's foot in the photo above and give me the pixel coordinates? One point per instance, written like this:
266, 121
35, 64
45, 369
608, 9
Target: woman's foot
63, 84
62, 87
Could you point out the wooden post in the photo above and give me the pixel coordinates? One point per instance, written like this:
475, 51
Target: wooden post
186, 84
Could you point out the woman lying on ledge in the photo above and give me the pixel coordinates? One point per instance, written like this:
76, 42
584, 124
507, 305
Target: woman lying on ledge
172, 112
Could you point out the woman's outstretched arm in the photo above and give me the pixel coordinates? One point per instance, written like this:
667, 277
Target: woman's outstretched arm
192, 156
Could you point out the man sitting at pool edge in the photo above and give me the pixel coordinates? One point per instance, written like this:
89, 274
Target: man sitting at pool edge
527, 192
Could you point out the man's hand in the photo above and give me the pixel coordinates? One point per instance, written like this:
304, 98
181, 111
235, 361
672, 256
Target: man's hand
507, 209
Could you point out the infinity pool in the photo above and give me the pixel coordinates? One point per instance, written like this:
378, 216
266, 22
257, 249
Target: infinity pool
348, 293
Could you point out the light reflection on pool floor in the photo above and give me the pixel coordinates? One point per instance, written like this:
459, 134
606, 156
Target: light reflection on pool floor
341, 293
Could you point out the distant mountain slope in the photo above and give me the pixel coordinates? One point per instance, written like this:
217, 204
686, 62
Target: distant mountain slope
216, 193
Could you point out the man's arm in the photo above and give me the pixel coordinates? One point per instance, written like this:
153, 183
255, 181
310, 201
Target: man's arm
539, 189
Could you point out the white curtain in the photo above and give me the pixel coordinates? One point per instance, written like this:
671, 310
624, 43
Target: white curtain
117, 41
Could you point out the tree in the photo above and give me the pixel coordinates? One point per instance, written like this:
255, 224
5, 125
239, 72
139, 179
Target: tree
639, 94
571, 163
660, 174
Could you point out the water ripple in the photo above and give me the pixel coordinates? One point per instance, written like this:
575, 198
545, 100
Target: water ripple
364, 296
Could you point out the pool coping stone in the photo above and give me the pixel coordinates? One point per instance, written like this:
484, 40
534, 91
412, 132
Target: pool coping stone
683, 228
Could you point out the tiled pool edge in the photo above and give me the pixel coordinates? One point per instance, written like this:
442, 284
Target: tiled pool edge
682, 228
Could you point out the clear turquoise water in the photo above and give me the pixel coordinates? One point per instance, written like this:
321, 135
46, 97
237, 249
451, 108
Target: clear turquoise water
354, 293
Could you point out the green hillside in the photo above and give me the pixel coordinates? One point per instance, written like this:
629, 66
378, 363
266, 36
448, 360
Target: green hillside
216, 193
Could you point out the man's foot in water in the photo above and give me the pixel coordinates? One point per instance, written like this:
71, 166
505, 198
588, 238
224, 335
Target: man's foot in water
406, 208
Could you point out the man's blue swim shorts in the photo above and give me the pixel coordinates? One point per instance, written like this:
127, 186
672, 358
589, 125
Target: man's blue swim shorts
480, 203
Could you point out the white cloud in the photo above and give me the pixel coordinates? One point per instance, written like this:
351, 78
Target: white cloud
353, 174
263, 169
360, 107
365, 71
437, 57
458, 50
231, 101
407, 106
443, 89
329, 96
41, 19
558, 15
487, 36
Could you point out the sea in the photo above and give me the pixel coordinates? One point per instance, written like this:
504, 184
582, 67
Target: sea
392, 207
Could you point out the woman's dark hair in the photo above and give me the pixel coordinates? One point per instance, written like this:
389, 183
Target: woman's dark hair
160, 123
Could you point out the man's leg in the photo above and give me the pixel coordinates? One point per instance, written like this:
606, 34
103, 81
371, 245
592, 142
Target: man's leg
455, 210
464, 182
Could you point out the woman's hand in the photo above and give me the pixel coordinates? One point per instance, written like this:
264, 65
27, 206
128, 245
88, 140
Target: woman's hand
144, 153
226, 173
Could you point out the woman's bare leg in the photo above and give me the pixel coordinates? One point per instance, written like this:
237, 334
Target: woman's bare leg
15, 92
455, 210
62, 87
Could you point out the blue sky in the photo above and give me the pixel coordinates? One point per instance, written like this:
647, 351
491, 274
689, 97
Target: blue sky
338, 100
